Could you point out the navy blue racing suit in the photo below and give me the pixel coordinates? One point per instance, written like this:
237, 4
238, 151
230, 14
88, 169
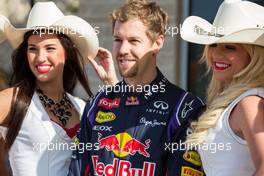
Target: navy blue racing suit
135, 133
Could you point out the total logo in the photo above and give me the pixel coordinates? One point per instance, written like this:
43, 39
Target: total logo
122, 168
123, 145
109, 104
159, 107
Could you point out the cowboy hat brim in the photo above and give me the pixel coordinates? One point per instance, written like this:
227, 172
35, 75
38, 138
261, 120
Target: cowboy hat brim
199, 31
78, 30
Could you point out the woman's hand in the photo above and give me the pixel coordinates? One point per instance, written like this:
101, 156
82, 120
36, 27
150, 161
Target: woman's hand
105, 69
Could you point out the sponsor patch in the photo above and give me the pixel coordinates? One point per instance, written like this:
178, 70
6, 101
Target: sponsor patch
161, 105
102, 117
102, 128
192, 157
151, 123
122, 167
123, 144
187, 108
109, 104
132, 101
188, 171
76, 140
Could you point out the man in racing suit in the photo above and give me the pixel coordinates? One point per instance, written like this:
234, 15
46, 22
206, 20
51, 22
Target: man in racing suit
135, 128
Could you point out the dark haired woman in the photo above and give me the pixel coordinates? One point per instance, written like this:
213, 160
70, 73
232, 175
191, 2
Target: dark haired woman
41, 115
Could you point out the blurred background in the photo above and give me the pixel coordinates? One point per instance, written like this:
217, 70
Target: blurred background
178, 60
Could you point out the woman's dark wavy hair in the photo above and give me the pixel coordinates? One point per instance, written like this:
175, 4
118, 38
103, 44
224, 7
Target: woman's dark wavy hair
24, 81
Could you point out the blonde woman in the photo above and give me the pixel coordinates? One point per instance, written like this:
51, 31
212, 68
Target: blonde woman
229, 135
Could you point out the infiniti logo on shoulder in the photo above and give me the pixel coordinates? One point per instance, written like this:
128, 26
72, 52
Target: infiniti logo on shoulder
161, 105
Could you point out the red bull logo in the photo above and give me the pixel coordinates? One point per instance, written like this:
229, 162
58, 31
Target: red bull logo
132, 146
123, 144
132, 101
121, 168
110, 143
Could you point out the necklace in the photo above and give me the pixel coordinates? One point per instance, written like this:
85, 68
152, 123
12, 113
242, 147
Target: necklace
61, 110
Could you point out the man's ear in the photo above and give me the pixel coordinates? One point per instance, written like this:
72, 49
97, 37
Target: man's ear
158, 44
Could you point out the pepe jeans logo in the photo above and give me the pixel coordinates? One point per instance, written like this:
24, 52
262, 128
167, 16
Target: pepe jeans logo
151, 123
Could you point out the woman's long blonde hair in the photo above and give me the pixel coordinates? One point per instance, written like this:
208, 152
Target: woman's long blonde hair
219, 95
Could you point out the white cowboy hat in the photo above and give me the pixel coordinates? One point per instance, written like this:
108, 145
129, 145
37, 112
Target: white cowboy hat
47, 16
236, 21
